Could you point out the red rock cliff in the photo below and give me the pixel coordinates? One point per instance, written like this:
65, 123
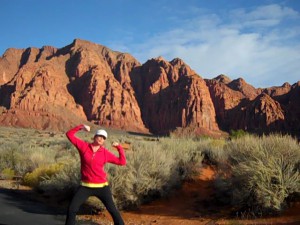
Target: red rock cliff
174, 96
52, 88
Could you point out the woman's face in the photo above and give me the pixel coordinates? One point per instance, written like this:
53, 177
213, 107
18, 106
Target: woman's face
99, 140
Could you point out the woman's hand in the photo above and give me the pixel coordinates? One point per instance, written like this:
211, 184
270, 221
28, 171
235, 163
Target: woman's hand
86, 128
115, 144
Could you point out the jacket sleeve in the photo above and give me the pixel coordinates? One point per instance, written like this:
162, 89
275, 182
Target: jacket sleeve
77, 142
121, 160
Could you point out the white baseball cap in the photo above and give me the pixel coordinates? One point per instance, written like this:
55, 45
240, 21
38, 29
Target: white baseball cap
101, 133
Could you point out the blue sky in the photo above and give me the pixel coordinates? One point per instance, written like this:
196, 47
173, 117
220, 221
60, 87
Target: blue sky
258, 40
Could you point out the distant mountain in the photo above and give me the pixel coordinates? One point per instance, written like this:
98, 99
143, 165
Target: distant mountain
55, 89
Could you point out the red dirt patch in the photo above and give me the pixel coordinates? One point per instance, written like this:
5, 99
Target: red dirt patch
192, 205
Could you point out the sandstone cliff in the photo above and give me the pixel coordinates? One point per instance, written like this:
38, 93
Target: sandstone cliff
173, 95
52, 88
55, 89
240, 106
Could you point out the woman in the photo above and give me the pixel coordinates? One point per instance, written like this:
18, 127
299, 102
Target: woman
93, 157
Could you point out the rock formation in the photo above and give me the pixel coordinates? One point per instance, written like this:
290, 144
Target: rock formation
262, 115
55, 89
239, 105
174, 96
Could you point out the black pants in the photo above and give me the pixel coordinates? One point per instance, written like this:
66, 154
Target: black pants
104, 194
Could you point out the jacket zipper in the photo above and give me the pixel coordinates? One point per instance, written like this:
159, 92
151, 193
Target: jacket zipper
94, 153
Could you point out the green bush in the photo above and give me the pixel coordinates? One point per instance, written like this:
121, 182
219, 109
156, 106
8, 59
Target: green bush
237, 133
7, 173
34, 178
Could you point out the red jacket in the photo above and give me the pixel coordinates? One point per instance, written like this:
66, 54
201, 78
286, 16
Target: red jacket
92, 164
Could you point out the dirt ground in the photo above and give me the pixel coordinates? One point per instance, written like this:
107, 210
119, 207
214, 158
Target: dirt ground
191, 205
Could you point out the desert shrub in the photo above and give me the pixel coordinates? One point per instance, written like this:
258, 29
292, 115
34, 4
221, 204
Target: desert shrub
237, 133
152, 170
264, 172
64, 180
187, 153
7, 173
10, 157
34, 154
213, 151
182, 132
25, 154
34, 178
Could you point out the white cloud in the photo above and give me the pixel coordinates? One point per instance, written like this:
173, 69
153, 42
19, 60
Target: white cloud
264, 16
266, 55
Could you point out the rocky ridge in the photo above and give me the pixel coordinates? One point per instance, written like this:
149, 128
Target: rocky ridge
55, 89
